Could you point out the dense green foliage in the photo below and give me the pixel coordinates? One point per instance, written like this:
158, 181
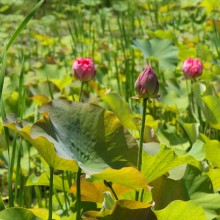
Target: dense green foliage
46, 134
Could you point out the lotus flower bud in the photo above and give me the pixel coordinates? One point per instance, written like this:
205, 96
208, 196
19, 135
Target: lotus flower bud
83, 69
147, 85
192, 68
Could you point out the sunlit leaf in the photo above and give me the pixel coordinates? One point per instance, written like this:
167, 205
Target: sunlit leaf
86, 133
159, 164
181, 210
93, 191
127, 176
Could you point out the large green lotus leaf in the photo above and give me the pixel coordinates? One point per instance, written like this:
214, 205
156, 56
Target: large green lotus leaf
44, 180
18, 214
122, 210
88, 134
211, 110
181, 210
160, 49
166, 190
43, 146
155, 166
121, 109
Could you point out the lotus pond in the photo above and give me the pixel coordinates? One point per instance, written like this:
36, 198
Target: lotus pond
133, 132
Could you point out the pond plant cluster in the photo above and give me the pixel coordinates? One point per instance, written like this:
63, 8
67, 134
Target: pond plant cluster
110, 110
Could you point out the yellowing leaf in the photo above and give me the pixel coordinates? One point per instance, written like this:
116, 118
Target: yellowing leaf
93, 191
40, 99
127, 176
43, 214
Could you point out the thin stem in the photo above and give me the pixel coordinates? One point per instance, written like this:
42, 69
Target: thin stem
78, 190
139, 162
192, 98
81, 90
51, 194
78, 194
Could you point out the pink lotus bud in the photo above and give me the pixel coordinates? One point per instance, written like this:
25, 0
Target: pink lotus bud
192, 68
83, 69
147, 85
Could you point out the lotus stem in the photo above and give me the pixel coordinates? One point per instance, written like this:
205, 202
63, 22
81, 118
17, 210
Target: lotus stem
81, 91
139, 162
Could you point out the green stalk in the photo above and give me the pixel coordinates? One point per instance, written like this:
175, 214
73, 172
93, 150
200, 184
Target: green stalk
78, 190
192, 97
78, 195
50, 195
81, 90
139, 162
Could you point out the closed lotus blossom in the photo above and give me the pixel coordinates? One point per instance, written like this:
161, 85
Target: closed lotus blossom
192, 68
147, 85
83, 69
